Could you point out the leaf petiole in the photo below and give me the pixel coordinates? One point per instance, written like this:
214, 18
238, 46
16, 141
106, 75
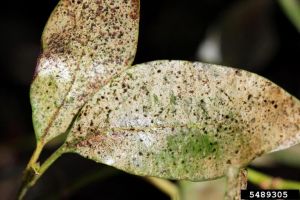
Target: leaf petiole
269, 182
35, 156
34, 171
165, 186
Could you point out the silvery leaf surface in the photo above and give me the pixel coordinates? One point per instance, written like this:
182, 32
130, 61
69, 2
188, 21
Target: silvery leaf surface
184, 120
85, 44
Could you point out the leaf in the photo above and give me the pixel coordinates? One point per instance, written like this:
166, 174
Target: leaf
85, 43
183, 120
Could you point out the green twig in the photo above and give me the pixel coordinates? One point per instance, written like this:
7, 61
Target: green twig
292, 10
269, 182
165, 186
33, 171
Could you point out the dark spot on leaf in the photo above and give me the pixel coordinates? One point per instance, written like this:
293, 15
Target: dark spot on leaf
238, 73
249, 96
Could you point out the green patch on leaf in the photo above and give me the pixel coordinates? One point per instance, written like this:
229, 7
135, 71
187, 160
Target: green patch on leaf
172, 99
194, 143
155, 97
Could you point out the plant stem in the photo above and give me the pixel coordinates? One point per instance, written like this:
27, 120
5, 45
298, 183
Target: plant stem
165, 186
236, 181
265, 181
33, 171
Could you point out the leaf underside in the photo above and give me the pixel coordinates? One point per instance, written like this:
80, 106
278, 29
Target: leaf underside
183, 120
170, 119
85, 43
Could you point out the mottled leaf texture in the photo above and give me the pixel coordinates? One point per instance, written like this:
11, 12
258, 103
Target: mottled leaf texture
85, 43
183, 120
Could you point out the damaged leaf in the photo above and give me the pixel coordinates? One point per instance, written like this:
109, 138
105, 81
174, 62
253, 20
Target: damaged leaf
85, 43
170, 119
183, 120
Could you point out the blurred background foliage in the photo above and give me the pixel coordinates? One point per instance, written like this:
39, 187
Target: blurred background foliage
256, 35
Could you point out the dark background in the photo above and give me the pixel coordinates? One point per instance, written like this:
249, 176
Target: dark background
255, 35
